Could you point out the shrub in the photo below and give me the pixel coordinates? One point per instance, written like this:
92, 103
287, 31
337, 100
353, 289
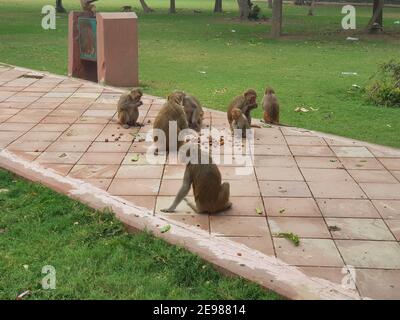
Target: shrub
254, 13
384, 88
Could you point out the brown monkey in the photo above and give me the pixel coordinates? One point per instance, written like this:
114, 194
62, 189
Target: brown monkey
128, 105
88, 7
172, 110
193, 110
239, 121
210, 195
245, 102
271, 106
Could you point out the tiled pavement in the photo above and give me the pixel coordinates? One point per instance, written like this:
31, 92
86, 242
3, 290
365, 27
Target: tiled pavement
341, 197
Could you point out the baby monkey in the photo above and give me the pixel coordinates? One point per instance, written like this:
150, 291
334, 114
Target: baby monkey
239, 121
245, 102
193, 111
128, 105
271, 106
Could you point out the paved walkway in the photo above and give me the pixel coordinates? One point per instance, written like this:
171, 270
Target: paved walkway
341, 197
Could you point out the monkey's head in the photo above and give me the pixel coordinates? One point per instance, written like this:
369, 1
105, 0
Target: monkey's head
236, 113
136, 94
251, 96
176, 97
269, 90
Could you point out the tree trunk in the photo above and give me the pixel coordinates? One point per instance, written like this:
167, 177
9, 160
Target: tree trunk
312, 6
172, 8
145, 7
218, 6
276, 29
59, 7
270, 4
376, 22
299, 2
244, 9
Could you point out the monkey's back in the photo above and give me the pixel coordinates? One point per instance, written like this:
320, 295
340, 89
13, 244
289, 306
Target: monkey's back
206, 180
236, 103
271, 107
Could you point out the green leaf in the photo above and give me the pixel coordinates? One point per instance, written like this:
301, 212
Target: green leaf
290, 236
166, 228
259, 211
135, 158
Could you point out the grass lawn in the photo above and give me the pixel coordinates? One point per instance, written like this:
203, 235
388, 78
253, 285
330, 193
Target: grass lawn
305, 66
93, 256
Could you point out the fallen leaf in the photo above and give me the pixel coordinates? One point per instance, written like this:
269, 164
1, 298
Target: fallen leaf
166, 228
259, 211
290, 236
26, 266
23, 295
135, 158
334, 228
282, 211
63, 155
4, 190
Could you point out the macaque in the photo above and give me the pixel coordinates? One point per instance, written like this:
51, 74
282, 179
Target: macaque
127, 108
210, 195
239, 121
193, 110
245, 102
88, 7
172, 110
271, 106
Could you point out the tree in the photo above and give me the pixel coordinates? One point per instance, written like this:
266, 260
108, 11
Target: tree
172, 8
270, 4
59, 7
312, 6
244, 9
218, 6
375, 24
145, 7
276, 28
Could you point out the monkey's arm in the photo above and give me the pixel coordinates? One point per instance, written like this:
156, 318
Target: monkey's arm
187, 182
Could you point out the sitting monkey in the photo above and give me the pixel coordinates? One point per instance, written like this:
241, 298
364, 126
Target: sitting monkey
271, 106
239, 121
88, 7
172, 110
128, 112
193, 110
210, 195
245, 102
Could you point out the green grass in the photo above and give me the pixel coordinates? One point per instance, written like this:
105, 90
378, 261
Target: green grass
93, 256
304, 66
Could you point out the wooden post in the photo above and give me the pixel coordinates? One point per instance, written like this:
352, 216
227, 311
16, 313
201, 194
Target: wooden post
276, 29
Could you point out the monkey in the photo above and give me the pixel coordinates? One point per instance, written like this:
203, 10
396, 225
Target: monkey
126, 9
271, 106
239, 121
172, 110
210, 195
88, 7
127, 108
245, 102
193, 110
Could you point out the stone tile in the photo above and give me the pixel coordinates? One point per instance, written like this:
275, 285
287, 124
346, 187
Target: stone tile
164, 202
10, 136
59, 119
359, 229
378, 176
69, 146
82, 132
262, 244
389, 209
378, 191
347, 208
332, 274
119, 147
271, 139
344, 142
244, 188
274, 161
319, 162
141, 147
39, 136
35, 146
200, 221
391, 163
237, 173
137, 159
148, 202
385, 152
102, 158
94, 171
291, 207
171, 187
296, 132
239, 226
301, 226
336, 189
10, 126
396, 174
271, 150
245, 206
284, 189
140, 172
279, 173
361, 164
134, 187
305, 141
379, 284
352, 152
59, 157
326, 175
62, 169
370, 254
310, 252
175, 172
99, 183
27, 155
394, 226
60, 127
311, 151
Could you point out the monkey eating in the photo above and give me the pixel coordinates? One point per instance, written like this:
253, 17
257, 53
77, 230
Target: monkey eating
127, 108
210, 195
271, 106
239, 121
193, 110
88, 7
172, 110
245, 102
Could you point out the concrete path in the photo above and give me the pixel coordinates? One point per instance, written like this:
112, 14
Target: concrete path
341, 197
